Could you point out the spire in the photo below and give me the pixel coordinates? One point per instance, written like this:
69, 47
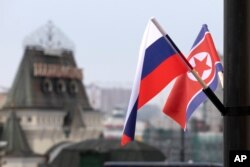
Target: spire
13, 134
49, 37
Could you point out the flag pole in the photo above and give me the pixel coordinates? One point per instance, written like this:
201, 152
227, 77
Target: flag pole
210, 94
220, 74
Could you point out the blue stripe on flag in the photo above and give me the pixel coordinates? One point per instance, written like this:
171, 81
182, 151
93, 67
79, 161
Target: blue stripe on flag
131, 122
155, 54
200, 97
219, 67
201, 35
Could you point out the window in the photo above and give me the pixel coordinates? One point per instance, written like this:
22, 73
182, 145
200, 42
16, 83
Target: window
29, 119
47, 85
73, 87
60, 86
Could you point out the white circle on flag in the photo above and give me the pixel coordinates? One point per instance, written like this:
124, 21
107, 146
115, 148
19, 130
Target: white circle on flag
201, 56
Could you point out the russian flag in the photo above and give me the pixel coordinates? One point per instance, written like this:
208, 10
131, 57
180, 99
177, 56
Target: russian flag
186, 94
157, 66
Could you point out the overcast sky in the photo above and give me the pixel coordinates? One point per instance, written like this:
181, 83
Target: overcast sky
106, 33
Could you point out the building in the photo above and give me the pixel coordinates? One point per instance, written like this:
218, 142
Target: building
114, 122
106, 99
48, 95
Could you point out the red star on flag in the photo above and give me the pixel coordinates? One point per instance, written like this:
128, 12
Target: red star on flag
201, 65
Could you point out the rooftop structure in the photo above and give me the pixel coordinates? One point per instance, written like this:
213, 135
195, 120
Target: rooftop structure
49, 37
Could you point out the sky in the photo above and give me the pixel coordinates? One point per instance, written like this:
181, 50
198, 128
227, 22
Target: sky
106, 33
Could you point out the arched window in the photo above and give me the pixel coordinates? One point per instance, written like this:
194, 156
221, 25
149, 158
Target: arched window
60, 86
73, 87
47, 85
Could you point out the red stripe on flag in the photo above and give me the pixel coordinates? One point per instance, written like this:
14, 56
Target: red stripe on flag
211, 45
125, 139
178, 99
152, 84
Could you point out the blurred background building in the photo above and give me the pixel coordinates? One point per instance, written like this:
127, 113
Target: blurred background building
47, 95
106, 98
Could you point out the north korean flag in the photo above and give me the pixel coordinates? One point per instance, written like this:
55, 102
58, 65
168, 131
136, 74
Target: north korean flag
186, 94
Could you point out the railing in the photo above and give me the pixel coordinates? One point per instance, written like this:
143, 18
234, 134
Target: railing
159, 164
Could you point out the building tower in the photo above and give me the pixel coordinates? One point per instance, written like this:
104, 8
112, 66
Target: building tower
48, 94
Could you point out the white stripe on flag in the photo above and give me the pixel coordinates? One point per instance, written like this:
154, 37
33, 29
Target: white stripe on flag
147, 40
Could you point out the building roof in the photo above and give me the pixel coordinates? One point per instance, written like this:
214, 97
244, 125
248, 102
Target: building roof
17, 145
102, 150
27, 89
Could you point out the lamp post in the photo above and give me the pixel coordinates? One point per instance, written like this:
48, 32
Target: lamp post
237, 76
